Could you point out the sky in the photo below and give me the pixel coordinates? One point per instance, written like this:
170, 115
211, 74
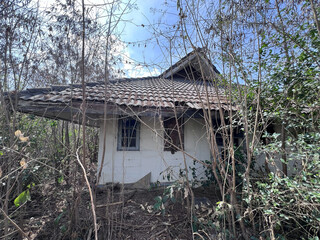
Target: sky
143, 32
142, 48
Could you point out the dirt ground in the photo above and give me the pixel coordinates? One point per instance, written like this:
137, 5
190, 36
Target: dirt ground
121, 214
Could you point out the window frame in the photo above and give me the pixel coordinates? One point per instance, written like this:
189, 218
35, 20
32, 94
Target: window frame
120, 136
167, 146
219, 140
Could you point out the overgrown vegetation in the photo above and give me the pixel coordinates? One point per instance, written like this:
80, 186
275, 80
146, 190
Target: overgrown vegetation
268, 55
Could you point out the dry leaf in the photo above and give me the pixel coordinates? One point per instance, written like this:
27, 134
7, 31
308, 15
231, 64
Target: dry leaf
23, 139
150, 209
23, 163
17, 133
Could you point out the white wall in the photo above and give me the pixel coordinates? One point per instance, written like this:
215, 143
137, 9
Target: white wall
130, 166
274, 164
272, 161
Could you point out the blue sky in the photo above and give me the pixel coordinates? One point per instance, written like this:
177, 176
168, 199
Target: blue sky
142, 32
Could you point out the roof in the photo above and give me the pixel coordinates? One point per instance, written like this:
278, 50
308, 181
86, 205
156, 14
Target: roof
197, 60
142, 92
171, 91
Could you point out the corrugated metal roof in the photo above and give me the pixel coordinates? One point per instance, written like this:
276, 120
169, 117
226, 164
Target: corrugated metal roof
142, 92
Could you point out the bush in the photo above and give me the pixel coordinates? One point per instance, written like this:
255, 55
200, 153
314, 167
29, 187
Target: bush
290, 206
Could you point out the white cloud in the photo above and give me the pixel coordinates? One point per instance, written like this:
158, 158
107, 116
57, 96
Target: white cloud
129, 66
131, 32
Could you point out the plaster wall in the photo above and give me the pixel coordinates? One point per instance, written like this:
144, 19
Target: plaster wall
130, 166
271, 161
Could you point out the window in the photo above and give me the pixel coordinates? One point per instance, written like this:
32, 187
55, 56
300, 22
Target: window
224, 152
128, 134
171, 134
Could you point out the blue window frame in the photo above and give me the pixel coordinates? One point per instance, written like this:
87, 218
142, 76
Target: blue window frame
128, 134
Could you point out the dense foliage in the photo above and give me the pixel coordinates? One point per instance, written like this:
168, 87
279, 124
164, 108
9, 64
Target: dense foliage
268, 53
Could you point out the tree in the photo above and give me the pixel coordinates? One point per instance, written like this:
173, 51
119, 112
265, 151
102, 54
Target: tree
18, 40
268, 54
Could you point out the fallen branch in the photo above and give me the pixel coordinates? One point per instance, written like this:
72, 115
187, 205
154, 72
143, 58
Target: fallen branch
109, 204
14, 224
158, 233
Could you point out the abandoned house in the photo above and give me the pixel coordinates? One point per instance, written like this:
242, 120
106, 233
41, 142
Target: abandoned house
152, 126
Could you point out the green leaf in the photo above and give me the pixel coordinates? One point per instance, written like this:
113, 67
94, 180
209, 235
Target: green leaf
22, 198
268, 212
63, 228
56, 221
31, 185
158, 199
60, 179
1, 153
157, 206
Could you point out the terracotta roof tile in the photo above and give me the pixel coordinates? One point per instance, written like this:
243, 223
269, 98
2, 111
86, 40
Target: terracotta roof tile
143, 92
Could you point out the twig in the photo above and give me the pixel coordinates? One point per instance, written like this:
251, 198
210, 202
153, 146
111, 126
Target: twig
14, 224
89, 234
5, 236
196, 233
91, 197
109, 204
315, 16
126, 225
158, 233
